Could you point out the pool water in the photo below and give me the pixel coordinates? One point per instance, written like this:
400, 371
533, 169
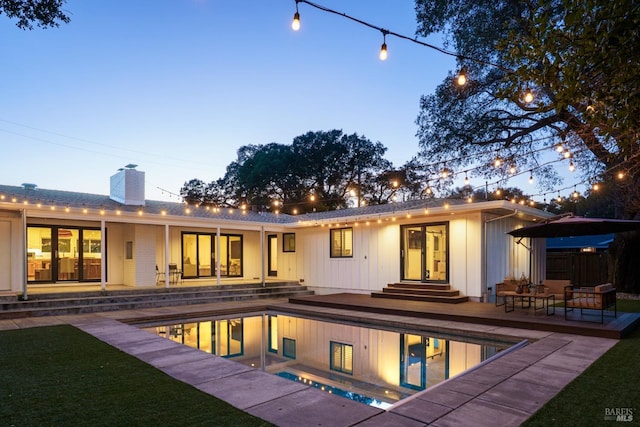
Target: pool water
378, 367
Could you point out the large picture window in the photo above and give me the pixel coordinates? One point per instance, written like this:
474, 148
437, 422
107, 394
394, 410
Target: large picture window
342, 243
199, 257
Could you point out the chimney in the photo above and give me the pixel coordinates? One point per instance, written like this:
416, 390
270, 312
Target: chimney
127, 186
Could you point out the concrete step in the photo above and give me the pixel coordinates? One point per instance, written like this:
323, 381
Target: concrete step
57, 304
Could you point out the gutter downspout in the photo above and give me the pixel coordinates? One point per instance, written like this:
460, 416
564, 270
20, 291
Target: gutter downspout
24, 255
484, 252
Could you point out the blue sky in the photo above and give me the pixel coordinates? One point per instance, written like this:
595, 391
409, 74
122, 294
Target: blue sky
177, 86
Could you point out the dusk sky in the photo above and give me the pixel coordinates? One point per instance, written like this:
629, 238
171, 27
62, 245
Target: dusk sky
178, 86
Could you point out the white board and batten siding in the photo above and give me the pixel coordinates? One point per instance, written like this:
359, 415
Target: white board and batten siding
506, 257
376, 256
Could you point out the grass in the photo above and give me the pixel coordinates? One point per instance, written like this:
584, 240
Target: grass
613, 381
61, 376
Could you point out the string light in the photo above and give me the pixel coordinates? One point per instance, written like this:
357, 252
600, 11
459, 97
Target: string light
512, 169
383, 49
295, 24
497, 162
572, 167
528, 96
559, 148
461, 78
530, 177
466, 179
411, 39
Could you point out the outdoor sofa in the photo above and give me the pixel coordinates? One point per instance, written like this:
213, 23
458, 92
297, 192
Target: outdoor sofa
601, 298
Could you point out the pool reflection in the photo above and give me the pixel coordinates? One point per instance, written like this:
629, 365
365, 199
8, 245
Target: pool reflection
374, 366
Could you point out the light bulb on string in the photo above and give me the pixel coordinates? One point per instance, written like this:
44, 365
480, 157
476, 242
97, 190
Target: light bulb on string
295, 24
620, 175
466, 180
461, 78
596, 186
567, 153
530, 178
559, 198
575, 193
497, 162
383, 49
528, 96
572, 167
512, 169
559, 148
444, 173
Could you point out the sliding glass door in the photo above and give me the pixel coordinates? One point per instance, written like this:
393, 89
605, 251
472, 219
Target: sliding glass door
199, 257
56, 254
425, 252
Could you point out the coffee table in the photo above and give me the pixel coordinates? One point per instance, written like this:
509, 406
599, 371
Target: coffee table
548, 301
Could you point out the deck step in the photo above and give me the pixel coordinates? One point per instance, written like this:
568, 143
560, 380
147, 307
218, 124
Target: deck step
414, 291
91, 302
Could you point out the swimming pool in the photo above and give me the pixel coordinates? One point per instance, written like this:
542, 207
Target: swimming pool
372, 365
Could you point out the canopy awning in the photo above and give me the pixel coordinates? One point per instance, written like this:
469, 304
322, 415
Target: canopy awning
575, 226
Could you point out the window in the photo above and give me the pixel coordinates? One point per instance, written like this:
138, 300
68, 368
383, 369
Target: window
289, 348
341, 357
288, 242
342, 243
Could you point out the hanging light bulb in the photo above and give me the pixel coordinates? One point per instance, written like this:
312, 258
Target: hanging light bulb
528, 96
428, 189
383, 49
512, 169
295, 24
620, 175
596, 186
575, 193
559, 148
466, 180
445, 173
497, 162
531, 178
567, 154
559, 198
572, 167
461, 78
498, 192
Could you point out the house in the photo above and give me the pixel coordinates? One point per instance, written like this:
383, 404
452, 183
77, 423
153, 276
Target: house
65, 238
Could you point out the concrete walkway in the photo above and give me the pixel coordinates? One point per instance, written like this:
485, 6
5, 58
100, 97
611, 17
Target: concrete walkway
504, 392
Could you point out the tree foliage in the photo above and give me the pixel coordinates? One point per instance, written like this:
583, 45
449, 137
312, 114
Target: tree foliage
319, 171
42, 13
581, 60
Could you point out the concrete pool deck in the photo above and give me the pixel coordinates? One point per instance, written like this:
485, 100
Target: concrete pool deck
505, 392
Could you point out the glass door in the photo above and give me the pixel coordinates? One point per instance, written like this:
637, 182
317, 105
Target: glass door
412, 252
425, 252
272, 255
39, 254
413, 361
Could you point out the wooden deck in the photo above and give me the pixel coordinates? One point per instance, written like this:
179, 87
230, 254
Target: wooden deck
483, 313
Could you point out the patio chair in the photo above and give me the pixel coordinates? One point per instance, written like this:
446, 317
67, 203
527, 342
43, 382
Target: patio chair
159, 274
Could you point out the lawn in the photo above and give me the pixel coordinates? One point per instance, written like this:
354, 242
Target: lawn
60, 376
612, 382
